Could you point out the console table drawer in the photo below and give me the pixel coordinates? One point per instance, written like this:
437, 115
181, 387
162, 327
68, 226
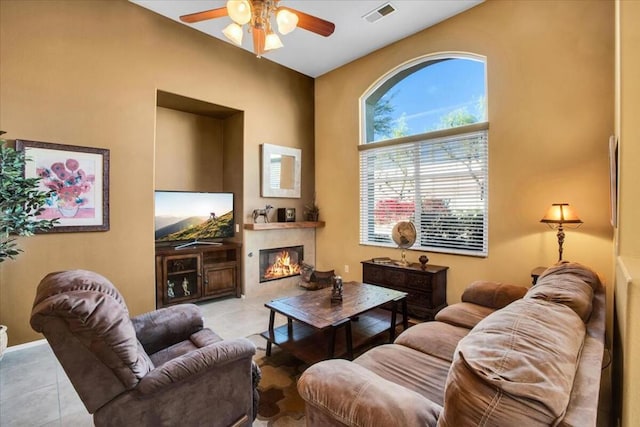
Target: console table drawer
419, 281
427, 289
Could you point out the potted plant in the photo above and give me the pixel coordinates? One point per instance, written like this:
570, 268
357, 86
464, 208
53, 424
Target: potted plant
20, 202
311, 210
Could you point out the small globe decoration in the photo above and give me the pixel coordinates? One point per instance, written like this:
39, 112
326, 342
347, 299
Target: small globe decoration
404, 235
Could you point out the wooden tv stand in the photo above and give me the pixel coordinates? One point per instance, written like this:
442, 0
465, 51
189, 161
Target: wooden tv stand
197, 273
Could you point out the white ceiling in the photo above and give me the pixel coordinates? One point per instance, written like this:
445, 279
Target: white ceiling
353, 38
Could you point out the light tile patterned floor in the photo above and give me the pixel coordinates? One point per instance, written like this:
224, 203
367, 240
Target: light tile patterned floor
34, 390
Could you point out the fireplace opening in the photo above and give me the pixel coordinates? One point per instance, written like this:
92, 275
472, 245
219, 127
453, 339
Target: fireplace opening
279, 263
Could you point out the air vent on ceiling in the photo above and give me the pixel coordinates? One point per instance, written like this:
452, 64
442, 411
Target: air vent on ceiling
379, 12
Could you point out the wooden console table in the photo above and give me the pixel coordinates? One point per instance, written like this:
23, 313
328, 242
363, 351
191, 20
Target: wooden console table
426, 289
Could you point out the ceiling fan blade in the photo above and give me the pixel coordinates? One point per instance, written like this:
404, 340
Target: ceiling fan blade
313, 23
204, 15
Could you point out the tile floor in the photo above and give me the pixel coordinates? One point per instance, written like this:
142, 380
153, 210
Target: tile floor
34, 390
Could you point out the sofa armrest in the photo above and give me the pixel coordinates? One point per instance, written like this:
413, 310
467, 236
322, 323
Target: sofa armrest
196, 362
463, 314
354, 396
167, 326
490, 294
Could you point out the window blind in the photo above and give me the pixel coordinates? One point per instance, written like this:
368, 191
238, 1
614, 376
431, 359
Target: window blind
439, 183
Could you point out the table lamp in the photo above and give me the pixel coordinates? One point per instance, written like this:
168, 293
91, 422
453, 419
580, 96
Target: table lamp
557, 215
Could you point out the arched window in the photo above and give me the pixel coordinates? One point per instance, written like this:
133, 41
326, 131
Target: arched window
424, 155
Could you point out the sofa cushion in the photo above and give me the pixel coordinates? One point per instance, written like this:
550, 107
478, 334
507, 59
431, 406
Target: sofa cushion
573, 269
355, 396
492, 294
516, 367
570, 284
437, 339
463, 314
571, 292
409, 368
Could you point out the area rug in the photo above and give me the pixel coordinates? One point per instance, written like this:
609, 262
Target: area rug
280, 403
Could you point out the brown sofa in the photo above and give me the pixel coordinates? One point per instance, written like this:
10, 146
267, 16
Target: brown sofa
162, 368
494, 359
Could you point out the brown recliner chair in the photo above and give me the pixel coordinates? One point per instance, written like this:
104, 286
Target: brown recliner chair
161, 368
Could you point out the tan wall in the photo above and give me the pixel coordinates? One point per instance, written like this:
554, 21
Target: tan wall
550, 71
628, 273
86, 73
193, 140
629, 244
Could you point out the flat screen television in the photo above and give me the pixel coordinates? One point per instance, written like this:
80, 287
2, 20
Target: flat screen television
190, 218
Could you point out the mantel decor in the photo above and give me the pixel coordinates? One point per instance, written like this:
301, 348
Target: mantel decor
78, 178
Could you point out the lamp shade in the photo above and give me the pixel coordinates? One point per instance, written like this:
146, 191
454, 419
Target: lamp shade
233, 32
287, 21
561, 213
239, 11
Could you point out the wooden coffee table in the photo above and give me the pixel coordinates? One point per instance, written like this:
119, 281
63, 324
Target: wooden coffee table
314, 322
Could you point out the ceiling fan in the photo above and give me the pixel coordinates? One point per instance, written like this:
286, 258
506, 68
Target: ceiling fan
258, 14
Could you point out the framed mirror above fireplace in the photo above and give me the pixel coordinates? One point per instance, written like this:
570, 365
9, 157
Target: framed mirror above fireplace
281, 169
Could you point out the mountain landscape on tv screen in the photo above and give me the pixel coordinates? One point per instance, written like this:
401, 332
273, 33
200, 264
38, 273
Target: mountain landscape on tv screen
194, 228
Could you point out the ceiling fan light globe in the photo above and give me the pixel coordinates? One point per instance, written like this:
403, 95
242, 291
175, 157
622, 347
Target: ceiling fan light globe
287, 21
239, 11
272, 42
233, 32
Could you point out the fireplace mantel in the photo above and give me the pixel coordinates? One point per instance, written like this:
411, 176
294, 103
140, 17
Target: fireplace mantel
283, 225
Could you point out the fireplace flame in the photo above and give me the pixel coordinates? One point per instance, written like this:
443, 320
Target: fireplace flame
282, 267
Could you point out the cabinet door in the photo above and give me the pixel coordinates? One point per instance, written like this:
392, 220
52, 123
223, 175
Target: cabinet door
220, 281
182, 278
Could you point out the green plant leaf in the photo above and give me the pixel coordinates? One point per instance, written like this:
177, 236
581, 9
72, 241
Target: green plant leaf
21, 200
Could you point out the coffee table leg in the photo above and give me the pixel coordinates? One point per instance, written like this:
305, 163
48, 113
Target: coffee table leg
272, 317
392, 330
332, 338
332, 341
405, 316
349, 341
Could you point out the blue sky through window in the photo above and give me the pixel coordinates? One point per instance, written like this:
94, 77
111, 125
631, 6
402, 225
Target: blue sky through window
423, 98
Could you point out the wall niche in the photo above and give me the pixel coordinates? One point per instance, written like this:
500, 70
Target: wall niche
199, 147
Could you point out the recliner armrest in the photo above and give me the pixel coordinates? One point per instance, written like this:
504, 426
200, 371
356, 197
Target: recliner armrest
196, 362
167, 326
354, 396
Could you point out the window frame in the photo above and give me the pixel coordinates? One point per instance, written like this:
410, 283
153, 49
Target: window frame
416, 65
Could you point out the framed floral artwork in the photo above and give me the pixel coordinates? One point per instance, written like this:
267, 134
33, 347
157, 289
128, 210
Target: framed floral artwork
78, 178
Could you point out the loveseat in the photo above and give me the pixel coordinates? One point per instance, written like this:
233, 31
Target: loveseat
504, 356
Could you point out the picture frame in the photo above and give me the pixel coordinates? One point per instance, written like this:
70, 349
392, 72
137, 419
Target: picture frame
613, 178
281, 170
78, 178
